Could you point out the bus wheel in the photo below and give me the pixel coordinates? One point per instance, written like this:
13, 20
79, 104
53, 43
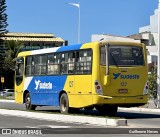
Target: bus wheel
28, 104
109, 110
64, 103
101, 110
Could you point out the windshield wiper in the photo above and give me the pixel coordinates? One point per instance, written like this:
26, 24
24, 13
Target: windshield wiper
113, 58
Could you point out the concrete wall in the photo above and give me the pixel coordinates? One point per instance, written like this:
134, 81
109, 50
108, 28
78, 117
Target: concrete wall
103, 37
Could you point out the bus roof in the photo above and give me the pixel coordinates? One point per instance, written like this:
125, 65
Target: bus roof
71, 47
50, 50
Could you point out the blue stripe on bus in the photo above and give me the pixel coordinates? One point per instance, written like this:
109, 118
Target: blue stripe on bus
44, 90
68, 48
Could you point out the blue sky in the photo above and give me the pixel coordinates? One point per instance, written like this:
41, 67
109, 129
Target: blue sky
117, 17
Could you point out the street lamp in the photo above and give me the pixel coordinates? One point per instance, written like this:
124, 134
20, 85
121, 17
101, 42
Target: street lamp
158, 61
78, 6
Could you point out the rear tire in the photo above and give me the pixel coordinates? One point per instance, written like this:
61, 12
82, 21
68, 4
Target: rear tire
64, 104
109, 110
28, 104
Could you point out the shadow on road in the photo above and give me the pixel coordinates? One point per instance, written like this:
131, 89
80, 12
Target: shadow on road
136, 115
126, 115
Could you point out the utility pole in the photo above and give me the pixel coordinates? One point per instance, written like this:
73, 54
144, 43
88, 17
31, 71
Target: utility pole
78, 6
158, 61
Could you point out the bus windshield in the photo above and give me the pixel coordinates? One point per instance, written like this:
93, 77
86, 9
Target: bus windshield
123, 55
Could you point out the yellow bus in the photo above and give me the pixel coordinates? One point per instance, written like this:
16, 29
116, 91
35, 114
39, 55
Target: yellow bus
101, 75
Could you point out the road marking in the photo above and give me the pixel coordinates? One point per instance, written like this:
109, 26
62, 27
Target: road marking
7, 101
49, 126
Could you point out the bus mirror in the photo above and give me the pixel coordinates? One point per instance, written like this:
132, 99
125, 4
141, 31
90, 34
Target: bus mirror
107, 80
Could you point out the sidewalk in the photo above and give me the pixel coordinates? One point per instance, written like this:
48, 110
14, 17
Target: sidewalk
7, 100
149, 107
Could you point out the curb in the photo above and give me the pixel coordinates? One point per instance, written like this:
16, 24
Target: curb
7, 100
66, 118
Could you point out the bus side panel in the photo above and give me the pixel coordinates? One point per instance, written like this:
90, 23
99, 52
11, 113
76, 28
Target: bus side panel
78, 89
19, 93
83, 85
45, 90
83, 91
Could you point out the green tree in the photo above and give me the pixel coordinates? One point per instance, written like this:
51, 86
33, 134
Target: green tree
3, 24
152, 82
3, 17
12, 50
3, 30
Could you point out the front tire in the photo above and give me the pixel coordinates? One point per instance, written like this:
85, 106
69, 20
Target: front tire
28, 104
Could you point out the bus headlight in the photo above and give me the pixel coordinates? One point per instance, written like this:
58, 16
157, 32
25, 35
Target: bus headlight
98, 88
146, 88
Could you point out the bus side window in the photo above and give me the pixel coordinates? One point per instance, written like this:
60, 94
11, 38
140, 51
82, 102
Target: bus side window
71, 61
40, 64
67, 63
29, 66
83, 62
103, 56
19, 71
53, 64
64, 63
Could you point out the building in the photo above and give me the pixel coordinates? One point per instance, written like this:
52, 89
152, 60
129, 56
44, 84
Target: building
33, 41
108, 37
30, 41
147, 35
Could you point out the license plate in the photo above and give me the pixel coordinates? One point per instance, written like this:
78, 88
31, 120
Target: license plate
122, 90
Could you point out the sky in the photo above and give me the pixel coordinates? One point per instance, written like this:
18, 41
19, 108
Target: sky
115, 17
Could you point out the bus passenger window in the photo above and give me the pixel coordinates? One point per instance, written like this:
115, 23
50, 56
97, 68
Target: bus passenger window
29, 66
19, 71
84, 62
53, 64
71, 61
40, 64
67, 63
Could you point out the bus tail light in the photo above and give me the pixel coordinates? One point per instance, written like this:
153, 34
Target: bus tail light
98, 88
146, 88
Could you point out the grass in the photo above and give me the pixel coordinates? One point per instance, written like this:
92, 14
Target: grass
2, 97
7, 98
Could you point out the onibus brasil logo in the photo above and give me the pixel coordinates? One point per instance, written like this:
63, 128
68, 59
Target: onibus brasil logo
128, 76
44, 85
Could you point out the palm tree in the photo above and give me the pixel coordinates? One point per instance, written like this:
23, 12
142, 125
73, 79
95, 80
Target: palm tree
12, 50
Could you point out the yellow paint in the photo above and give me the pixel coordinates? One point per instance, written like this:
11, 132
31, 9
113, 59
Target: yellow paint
19, 91
81, 88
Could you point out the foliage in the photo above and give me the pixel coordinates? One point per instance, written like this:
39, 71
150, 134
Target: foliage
152, 82
3, 30
3, 17
12, 50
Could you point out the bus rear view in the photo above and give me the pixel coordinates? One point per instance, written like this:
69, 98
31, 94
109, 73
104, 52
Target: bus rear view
123, 76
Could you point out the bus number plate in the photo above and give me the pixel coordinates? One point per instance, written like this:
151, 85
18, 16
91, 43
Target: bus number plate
122, 90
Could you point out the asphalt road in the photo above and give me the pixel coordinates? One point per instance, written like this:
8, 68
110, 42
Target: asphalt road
135, 120
57, 129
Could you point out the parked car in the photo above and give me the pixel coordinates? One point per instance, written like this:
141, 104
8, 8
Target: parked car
7, 92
